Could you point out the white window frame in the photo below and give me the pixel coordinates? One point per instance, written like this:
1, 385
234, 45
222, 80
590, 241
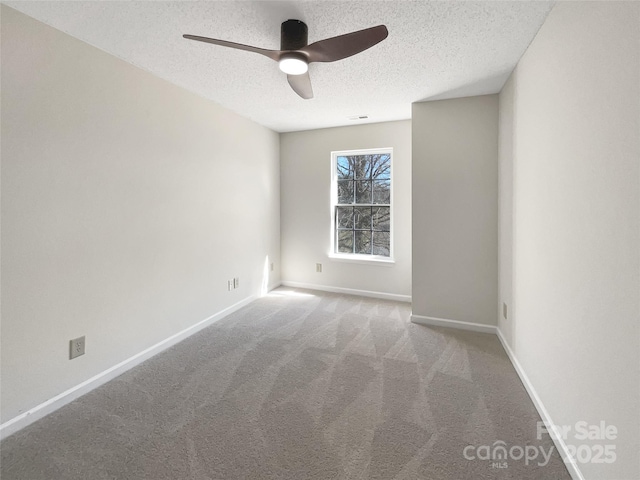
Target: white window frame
359, 257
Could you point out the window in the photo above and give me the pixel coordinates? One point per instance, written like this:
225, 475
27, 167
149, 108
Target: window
362, 203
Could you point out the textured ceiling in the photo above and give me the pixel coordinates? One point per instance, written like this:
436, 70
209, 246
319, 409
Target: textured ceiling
435, 50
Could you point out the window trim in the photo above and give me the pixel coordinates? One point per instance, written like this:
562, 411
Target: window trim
359, 257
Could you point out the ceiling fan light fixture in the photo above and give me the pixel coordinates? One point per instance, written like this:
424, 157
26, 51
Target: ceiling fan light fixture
293, 65
296, 53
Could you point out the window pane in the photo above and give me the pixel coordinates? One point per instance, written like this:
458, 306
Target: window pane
363, 187
363, 191
381, 219
362, 218
381, 167
345, 241
362, 242
345, 217
382, 191
345, 169
345, 191
362, 167
382, 243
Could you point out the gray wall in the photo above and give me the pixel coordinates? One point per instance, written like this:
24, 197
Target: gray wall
505, 212
570, 253
455, 209
127, 203
306, 212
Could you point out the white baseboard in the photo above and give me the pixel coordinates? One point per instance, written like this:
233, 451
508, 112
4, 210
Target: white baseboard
349, 291
574, 471
443, 322
53, 404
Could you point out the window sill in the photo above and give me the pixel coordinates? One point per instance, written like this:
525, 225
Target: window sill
363, 259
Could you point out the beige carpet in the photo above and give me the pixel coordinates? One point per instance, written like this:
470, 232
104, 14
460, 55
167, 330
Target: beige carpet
298, 385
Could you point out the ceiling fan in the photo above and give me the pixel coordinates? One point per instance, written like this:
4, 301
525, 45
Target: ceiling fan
295, 54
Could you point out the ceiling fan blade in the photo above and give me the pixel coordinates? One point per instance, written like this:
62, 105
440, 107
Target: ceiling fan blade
301, 84
272, 54
343, 46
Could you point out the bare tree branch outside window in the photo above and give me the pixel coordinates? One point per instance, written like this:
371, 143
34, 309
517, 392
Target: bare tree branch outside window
363, 207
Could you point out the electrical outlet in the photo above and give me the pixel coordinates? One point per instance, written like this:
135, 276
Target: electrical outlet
236, 282
272, 266
318, 268
230, 284
504, 310
76, 347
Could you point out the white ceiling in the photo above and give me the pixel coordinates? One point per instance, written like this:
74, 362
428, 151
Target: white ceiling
435, 50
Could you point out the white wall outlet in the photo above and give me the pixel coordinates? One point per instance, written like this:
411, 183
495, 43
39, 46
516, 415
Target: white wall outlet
272, 266
318, 268
504, 310
230, 284
76, 347
236, 282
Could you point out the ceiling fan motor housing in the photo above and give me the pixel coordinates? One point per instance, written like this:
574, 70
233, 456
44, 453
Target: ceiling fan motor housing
293, 35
